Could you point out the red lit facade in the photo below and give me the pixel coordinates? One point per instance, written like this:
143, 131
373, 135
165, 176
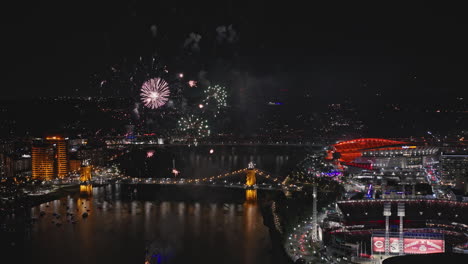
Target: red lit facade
351, 149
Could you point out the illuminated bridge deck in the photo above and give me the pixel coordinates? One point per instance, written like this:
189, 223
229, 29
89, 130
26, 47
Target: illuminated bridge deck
233, 179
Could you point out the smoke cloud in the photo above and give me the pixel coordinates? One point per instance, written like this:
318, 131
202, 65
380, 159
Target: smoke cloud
192, 42
202, 78
226, 34
154, 30
221, 33
232, 34
135, 110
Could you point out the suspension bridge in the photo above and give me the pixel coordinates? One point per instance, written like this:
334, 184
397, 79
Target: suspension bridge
246, 178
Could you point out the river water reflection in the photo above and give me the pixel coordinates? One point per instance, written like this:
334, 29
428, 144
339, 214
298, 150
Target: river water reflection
185, 224
197, 162
118, 229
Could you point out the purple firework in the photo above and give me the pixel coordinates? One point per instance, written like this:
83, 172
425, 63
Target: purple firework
155, 93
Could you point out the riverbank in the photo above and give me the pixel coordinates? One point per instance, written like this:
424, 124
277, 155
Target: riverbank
57, 194
202, 224
27, 201
275, 236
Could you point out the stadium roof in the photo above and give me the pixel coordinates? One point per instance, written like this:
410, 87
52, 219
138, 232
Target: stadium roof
351, 149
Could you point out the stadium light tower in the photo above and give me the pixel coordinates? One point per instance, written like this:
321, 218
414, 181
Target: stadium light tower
387, 212
401, 214
383, 189
314, 215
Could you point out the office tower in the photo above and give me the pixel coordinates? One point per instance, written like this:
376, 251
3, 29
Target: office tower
43, 159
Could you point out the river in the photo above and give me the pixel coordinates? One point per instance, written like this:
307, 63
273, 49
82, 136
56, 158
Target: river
119, 229
177, 224
198, 162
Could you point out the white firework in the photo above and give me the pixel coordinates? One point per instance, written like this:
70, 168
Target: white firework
155, 93
194, 126
216, 95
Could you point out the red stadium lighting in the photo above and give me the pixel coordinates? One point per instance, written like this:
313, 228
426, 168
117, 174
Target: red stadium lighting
411, 245
349, 150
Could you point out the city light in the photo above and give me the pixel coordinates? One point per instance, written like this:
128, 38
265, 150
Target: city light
163, 130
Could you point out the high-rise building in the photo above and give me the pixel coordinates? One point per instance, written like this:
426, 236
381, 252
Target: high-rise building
455, 169
42, 161
5, 167
61, 155
75, 165
49, 158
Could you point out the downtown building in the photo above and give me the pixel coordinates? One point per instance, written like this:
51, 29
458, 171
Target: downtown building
454, 167
12, 165
49, 158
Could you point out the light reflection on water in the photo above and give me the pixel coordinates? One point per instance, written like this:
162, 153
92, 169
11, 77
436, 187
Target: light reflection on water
198, 163
187, 231
118, 231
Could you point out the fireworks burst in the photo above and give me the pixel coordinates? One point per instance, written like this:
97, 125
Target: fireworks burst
192, 83
194, 127
155, 93
126, 78
216, 95
150, 153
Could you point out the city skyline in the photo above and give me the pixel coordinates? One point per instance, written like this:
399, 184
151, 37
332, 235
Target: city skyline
253, 132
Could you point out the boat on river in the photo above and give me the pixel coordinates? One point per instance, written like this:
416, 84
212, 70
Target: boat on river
158, 253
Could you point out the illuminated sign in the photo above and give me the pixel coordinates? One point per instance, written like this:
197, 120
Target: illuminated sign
423, 246
408, 147
411, 245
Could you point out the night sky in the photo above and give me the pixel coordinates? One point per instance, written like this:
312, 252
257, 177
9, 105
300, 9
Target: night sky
328, 50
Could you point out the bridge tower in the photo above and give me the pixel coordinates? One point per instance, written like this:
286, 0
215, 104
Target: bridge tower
251, 178
85, 173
